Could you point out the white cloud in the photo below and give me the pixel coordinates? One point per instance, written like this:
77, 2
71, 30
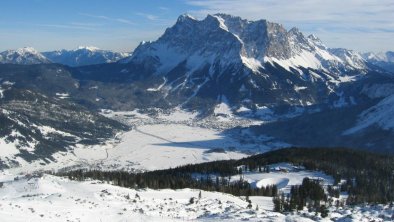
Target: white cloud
368, 23
148, 16
68, 26
103, 17
164, 8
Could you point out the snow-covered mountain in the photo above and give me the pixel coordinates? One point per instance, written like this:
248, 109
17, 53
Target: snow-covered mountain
243, 63
84, 55
254, 43
379, 57
384, 60
23, 56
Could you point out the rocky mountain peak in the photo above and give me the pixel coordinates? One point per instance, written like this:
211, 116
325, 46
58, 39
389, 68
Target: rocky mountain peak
185, 17
26, 50
233, 40
23, 56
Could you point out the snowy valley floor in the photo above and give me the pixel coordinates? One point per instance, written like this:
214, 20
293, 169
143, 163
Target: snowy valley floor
159, 141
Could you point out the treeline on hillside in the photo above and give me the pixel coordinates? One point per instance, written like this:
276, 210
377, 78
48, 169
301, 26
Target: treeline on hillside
168, 179
309, 194
368, 177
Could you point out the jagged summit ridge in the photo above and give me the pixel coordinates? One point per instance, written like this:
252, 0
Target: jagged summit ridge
232, 38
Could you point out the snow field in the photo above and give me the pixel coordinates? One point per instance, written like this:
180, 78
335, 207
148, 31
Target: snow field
53, 198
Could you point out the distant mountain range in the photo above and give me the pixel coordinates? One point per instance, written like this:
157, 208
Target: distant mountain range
305, 93
79, 57
384, 60
89, 55
84, 56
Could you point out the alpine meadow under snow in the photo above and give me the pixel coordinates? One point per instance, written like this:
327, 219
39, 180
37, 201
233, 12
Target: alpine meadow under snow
203, 124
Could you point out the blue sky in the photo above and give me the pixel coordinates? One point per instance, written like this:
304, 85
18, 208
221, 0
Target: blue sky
363, 25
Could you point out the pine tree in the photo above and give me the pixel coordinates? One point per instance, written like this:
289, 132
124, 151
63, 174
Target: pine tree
277, 204
323, 211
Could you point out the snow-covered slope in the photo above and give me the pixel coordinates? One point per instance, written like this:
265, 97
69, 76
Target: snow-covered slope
35, 197
50, 198
380, 115
351, 59
23, 56
84, 55
34, 126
